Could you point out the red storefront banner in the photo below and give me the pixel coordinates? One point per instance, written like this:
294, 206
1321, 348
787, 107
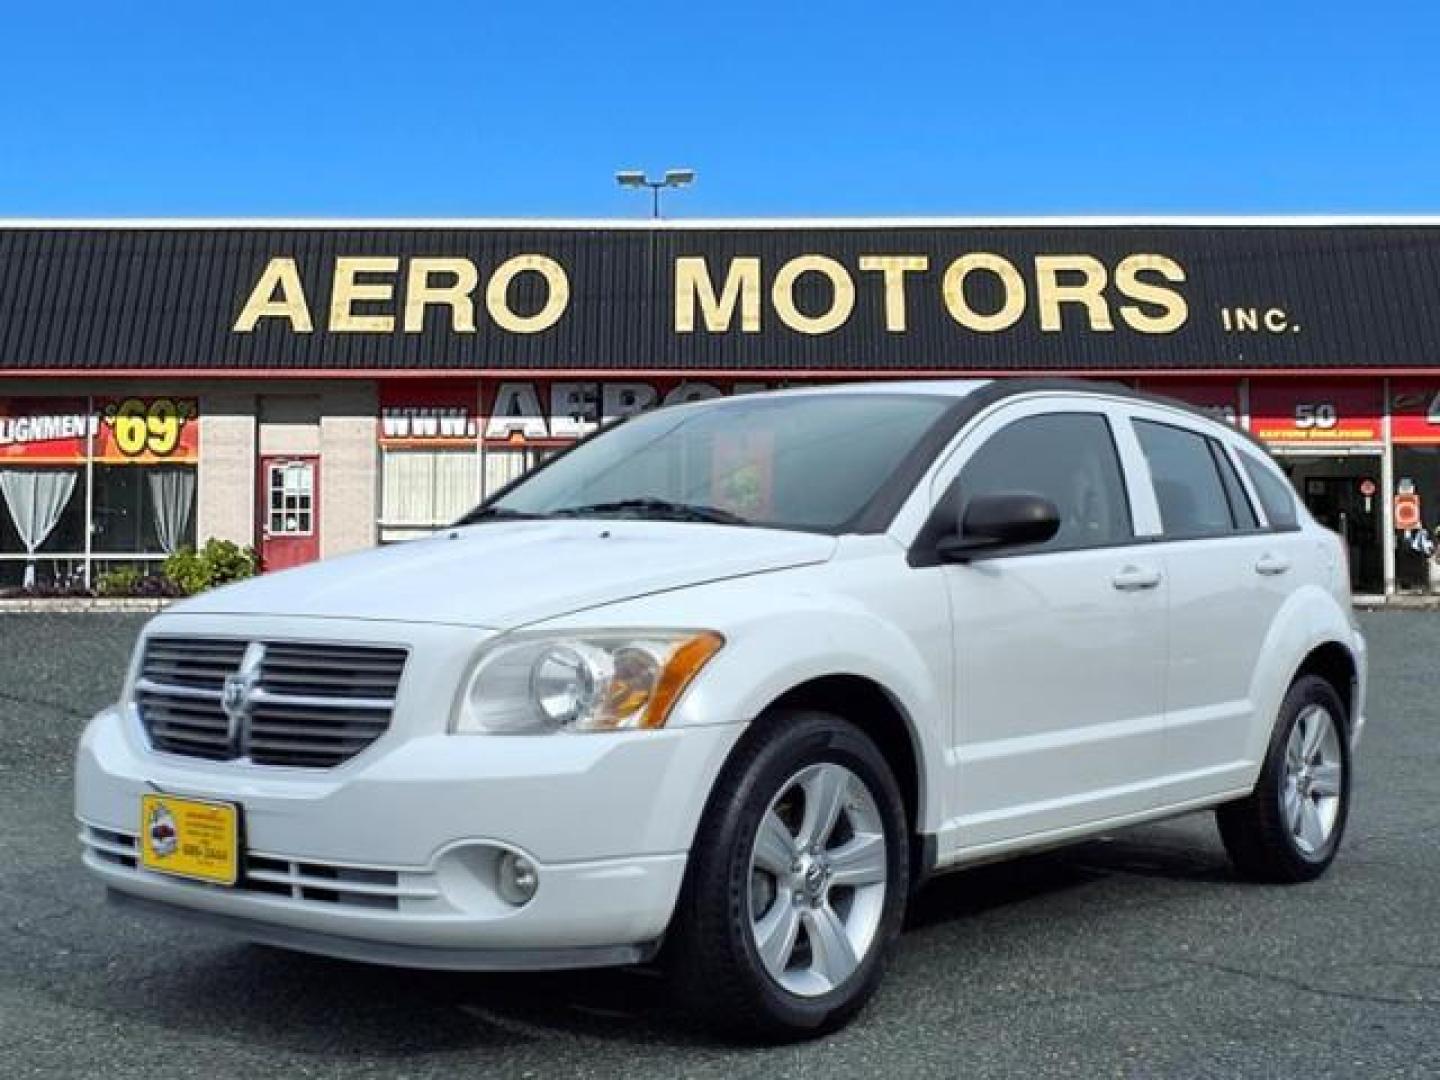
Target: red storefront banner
119, 431
45, 431
1415, 411
1320, 411
1218, 397
145, 431
429, 414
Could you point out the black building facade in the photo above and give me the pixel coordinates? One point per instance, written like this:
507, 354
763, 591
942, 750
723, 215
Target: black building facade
312, 388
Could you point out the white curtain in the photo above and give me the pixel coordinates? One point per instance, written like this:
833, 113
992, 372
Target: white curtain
172, 494
502, 466
36, 498
424, 489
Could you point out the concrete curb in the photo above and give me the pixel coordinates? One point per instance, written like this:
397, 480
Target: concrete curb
75, 605
1400, 603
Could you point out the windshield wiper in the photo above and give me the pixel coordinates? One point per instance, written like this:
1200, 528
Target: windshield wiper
658, 508
497, 513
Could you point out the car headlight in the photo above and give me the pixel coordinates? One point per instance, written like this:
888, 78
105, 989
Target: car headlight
606, 681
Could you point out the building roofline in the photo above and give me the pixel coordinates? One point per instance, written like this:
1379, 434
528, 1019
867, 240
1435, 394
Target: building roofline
682, 224
706, 374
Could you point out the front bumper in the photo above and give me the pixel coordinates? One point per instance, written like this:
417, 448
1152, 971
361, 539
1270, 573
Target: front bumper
393, 858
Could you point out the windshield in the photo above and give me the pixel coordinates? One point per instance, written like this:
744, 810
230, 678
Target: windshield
808, 461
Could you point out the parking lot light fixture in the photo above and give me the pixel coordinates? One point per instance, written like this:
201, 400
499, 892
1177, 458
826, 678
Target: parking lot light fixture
673, 178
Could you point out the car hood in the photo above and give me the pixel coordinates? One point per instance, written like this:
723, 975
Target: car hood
507, 574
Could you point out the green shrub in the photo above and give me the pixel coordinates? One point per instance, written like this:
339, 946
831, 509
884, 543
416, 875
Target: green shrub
135, 581
188, 570
218, 562
229, 561
121, 581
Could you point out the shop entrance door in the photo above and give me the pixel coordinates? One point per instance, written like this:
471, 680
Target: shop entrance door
1334, 488
289, 511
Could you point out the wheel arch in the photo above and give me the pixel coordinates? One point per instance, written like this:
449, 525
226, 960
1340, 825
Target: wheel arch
1311, 634
1335, 663
883, 717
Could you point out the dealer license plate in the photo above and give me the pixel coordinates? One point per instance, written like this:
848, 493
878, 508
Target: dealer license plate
190, 838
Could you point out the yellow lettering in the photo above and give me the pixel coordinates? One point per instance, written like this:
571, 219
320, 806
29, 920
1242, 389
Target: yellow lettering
280, 275
497, 294
895, 267
347, 292
741, 289
1173, 310
421, 292
1089, 293
956, 302
842, 294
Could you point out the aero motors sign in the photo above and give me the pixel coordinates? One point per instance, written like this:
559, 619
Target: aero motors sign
1329, 412
981, 291
797, 299
429, 415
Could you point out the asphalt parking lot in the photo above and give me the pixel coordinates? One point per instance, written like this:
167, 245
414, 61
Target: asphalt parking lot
1137, 955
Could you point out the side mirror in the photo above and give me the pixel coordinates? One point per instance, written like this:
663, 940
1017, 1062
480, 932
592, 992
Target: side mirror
1003, 520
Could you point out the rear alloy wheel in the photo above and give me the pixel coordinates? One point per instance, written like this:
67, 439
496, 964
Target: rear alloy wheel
797, 882
1289, 828
1310, 791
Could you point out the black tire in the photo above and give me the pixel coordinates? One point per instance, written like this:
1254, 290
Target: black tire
1260, 841
711, 952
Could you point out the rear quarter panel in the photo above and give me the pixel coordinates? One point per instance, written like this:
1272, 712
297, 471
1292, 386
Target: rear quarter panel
1312, 616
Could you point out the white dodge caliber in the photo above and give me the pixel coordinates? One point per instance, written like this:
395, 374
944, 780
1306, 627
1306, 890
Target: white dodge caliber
723, 683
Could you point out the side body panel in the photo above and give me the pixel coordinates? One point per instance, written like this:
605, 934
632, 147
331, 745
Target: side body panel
1222, 605
1059, 672
1245, 610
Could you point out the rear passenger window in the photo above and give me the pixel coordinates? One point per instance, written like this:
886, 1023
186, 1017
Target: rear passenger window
1187, 481
1240, 508
1069, 458
1276, 495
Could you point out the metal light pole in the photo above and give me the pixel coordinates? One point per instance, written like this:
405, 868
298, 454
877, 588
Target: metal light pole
673, 178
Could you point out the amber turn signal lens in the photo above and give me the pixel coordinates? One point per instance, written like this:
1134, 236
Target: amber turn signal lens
684, 665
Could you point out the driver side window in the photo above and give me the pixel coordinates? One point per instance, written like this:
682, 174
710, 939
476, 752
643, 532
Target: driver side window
1070, 459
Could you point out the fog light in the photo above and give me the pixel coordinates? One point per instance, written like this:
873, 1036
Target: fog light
518, 879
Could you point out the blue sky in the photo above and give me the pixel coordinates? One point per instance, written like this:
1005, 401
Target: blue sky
484, 108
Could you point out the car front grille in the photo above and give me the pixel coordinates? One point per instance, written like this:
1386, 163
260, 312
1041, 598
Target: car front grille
302, 704
307, 881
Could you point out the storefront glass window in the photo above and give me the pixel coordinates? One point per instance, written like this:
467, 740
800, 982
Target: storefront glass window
86, 477
144, 509
1417, 480
43, 515
428, 488
505, 466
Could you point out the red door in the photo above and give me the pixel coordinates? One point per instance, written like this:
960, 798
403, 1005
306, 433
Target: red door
289, 512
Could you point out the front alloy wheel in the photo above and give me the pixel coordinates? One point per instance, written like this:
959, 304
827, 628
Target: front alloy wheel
797, 881
817, 879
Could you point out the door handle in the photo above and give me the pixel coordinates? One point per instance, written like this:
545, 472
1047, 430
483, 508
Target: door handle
1271, 564
1135, 578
